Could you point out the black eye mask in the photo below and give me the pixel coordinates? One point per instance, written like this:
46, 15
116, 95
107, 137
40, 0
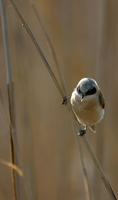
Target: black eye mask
91, 91
88, 92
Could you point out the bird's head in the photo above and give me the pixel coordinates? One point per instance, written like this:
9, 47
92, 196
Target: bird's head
87, 88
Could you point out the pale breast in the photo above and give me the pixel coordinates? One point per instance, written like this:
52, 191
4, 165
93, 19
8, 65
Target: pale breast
89, 112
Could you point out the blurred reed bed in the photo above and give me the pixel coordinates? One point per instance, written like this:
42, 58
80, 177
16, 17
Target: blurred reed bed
59, 171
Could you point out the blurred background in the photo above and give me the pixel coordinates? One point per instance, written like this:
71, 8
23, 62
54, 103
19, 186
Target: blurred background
85, 37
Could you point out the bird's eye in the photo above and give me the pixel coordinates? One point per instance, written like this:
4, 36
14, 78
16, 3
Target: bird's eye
91, 91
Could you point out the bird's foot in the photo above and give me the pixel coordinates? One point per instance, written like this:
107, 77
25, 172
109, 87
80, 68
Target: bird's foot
82, 131
65, 100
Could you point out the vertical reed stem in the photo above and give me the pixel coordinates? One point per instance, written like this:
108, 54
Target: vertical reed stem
9, 90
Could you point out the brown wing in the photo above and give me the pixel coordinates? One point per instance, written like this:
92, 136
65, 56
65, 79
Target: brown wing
101, 99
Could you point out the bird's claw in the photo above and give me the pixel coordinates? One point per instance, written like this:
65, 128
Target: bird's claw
82, 132
65, 100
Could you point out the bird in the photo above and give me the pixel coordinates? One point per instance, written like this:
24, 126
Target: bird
88, 104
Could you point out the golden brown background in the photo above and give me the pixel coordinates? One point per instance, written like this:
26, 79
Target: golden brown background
85, 37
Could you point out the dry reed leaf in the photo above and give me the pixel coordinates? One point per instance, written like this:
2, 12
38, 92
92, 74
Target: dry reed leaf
12, 166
